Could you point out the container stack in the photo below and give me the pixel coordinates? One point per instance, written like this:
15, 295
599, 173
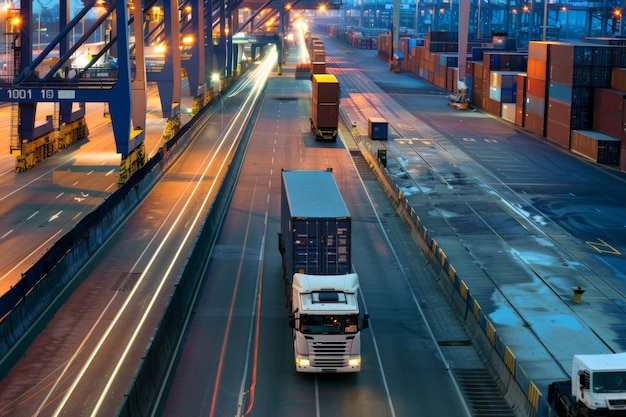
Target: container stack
325, 106
618, 82
602, 144
317, 54
502, 93
520, 99
536, 88
575, 71
506, 66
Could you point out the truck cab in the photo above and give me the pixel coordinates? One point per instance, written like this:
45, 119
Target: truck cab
600, 382
325, 323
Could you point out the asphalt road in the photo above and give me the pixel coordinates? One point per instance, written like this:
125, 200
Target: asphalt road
238, 355
82, 363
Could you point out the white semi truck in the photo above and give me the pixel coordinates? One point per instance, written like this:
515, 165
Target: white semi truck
597, 387
320, 287
325, 323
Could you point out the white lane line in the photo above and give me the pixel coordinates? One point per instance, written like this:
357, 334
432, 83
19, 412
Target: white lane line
37, 250
104, 394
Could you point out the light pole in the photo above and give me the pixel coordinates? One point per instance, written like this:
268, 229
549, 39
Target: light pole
545, 19
39, 30
478, 21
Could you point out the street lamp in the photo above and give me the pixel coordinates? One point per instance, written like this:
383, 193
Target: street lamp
617, 21
545, 19
566, 10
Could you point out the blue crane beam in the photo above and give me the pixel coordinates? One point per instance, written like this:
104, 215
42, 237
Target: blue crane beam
115, 73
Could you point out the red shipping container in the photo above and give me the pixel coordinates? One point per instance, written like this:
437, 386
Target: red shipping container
560, 112
494, 107
608, 100
562, 53
562, 73
477, 98
534, 123
519, 116
607, 123
325, 115
318, 68
520, 98
558, 133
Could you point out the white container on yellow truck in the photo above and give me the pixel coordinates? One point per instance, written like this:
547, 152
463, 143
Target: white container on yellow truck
320, 287
597, 387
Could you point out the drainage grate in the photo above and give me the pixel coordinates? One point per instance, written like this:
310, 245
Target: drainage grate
483, 394
126, 281
454, 343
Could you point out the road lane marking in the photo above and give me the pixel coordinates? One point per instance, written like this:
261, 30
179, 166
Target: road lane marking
55, 216
601, 246
36, 251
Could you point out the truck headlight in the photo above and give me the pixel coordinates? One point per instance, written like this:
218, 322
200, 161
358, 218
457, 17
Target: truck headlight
303, 362
354, 361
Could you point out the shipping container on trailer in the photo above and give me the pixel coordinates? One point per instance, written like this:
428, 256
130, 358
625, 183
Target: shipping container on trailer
320, 287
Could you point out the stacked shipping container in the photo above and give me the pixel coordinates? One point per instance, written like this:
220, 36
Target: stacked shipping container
571, 93
536, 88
325, 106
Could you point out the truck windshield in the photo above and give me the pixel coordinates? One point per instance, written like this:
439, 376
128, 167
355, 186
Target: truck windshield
609, 381
329, 324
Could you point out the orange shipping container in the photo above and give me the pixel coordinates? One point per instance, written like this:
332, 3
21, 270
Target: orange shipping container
618, 78
597, 147
538, 50
536, 87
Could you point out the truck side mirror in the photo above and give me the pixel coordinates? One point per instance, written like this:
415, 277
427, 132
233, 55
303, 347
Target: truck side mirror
292, 321
366, 321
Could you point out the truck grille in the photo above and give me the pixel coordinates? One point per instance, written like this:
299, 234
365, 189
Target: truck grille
329, 354
620, 404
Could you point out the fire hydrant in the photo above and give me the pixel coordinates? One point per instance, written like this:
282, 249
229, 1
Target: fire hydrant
578, 294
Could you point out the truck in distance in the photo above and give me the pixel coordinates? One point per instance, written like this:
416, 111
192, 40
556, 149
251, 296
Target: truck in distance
321, 289
325, 106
